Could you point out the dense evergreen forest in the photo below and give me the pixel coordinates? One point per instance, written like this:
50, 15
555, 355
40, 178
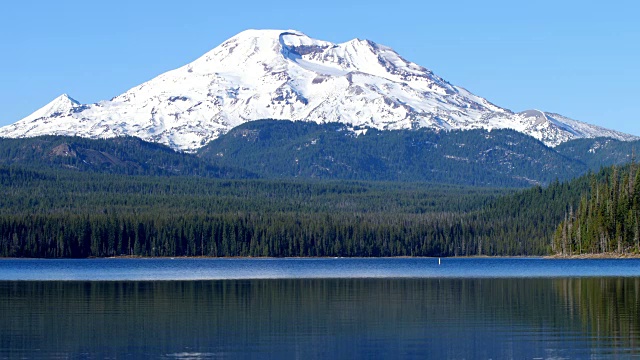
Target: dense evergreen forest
281, 188
46, 213
285, 149
599, 152
281, 149
123, 155
607, 220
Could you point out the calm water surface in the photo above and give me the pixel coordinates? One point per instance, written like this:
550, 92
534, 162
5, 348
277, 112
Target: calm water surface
227, 269
321, 308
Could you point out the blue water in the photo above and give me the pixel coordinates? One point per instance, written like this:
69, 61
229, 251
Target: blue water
480, 308
220, 269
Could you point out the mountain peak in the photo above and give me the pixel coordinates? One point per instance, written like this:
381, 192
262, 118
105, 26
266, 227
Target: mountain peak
287, 75
39, 122
59, 105
67, 97
264, 33
64, 99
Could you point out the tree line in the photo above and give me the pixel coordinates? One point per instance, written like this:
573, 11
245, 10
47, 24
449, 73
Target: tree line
607, 219
46, 213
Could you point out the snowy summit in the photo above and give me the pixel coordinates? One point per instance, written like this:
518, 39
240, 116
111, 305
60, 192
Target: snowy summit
277, 74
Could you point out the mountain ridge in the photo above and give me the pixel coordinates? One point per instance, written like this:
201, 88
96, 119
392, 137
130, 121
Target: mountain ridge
306, 151
286, 75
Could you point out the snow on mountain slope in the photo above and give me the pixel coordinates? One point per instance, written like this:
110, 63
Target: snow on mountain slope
61, 105
274, 74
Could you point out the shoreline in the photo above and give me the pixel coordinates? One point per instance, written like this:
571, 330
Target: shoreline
612, 256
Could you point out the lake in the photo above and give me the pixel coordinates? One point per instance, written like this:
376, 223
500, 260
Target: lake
518, 308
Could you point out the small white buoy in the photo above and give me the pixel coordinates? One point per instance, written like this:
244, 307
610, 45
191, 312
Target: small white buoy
438, 261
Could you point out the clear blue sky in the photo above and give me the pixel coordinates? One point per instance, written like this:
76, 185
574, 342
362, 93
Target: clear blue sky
577, 58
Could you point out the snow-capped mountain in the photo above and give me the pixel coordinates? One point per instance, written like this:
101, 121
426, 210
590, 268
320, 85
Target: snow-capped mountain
273, 74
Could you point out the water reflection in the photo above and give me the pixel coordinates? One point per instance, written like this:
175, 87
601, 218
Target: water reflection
314, 318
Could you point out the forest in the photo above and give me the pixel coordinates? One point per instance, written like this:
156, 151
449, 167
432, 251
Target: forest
607, 219
268, 149
279, 188
61, 214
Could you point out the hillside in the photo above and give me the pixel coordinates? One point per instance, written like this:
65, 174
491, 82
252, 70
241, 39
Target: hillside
304, 150
126, 155
282, 149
